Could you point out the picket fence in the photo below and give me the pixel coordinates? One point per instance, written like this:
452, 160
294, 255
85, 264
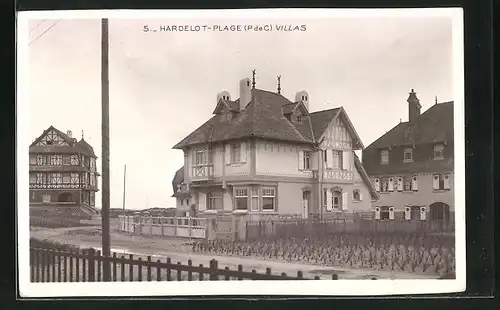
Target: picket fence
87, 266
188, 227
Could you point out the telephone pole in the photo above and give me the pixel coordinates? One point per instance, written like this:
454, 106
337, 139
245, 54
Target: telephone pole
124, 186
105, 148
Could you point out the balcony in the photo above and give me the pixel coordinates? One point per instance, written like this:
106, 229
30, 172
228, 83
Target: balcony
202, 173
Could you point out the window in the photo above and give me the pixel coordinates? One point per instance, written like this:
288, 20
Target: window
255, 199
268, 199
387, 184
75, 178
214, 201
337, 159
408, 155
41, 160
40, 178
307, 160
74, 160
299, 118
414, 213
356, 195
384, 213
336, 202
56, 178
241, 199
438, 151
441, 182
56, 160
66, 160
235, 153
200, 158
407, 183
384, 156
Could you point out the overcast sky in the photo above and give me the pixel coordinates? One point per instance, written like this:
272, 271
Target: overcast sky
163, 85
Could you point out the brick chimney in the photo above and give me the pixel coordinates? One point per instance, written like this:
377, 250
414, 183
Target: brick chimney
413, 107
245, 93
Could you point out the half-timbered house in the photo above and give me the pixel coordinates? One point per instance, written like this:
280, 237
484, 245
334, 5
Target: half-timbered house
62, 175
263, 155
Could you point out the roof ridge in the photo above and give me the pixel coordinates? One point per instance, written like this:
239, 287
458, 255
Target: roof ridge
327, 110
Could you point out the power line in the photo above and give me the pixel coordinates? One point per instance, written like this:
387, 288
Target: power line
52, 26
44, 20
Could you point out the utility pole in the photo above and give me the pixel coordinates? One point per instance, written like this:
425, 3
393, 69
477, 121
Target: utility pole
124, 186
105, 148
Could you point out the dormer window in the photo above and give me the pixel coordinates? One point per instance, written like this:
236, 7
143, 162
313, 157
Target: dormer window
438, 151
408, 155
384, 156
299, 118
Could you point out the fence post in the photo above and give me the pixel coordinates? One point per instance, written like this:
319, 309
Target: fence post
175, 226
161, 225
214, 270
91, 276
190, 222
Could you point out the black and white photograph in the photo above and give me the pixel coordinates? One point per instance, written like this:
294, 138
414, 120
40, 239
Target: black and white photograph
240, 147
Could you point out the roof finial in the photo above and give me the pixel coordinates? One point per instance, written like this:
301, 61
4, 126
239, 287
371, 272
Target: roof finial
279, 84
253, 78
82, 134
436, 100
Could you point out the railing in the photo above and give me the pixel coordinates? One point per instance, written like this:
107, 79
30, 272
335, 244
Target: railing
87, 266
188, 227
204, 172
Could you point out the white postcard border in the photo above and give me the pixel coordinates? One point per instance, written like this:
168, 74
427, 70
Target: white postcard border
299, 288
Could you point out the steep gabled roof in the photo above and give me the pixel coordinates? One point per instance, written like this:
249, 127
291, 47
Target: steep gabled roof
73, 146
264, 117
320, 121
64, 136
357, 163
434, 125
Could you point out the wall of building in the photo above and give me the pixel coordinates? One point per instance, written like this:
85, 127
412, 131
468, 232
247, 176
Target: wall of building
36, 195
425, 195
279, 159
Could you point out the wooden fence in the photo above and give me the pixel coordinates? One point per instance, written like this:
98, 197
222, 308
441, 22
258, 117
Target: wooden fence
87, 266
188, 227
307, 228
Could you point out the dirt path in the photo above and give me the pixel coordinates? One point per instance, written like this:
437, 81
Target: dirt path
179, 251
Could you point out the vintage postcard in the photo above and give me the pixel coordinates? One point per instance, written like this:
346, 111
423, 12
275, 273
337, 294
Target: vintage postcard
240, 152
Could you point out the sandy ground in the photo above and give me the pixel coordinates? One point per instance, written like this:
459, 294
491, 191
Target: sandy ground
179, 251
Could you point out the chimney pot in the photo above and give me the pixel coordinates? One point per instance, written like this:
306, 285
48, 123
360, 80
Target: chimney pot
304, 97
245, 93
413, 107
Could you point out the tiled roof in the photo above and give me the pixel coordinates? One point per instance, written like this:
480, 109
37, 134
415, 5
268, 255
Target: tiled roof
357, 163
73, 147
178, 178
321, 119
263, 117
86, 148
434, 125
445, 165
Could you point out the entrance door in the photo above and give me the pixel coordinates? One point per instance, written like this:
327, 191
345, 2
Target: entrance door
305, 204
